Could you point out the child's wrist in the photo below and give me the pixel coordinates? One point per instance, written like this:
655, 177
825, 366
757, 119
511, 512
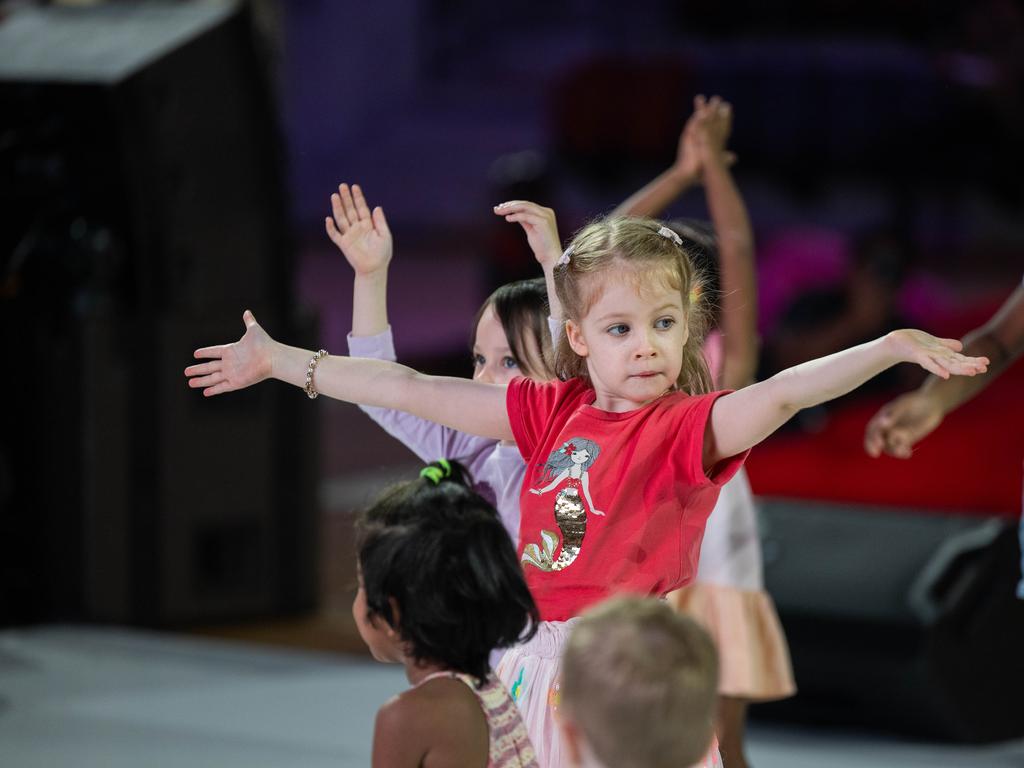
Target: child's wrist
373, 275
682, 176
715, 158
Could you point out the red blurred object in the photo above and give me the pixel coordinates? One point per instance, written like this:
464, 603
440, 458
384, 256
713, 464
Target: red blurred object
971, 464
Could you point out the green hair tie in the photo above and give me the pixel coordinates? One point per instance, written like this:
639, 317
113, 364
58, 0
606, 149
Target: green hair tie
436, 474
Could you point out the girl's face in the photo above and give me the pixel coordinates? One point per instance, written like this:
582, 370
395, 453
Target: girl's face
632, 340
382, 640
580, 457
493, 362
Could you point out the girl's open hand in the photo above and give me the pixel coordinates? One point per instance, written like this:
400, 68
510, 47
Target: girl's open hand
901, 424
362, 237
938, 356
540, 226
233, 366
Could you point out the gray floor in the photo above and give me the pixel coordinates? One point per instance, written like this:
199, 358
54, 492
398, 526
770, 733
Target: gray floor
76, 696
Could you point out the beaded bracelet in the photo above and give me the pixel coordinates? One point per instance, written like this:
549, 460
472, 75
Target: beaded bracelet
310, 389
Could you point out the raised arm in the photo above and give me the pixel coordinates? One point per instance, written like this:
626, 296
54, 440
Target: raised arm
738, 319
905, 421
663, 190
744, 418
365, 241
462, 404
541, 230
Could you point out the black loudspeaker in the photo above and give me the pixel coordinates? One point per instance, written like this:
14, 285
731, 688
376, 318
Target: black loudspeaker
143, 195
903, 621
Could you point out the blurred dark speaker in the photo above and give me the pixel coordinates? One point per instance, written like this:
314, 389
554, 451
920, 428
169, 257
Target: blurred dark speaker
903, 621
142, 184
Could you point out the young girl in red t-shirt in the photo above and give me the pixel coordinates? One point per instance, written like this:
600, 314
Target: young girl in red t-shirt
635, 383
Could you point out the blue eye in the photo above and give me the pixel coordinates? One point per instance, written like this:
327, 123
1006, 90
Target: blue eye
619, 330
509, 362
479, 361
665, 323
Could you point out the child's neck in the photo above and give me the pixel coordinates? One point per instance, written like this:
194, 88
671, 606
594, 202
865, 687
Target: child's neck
416, 672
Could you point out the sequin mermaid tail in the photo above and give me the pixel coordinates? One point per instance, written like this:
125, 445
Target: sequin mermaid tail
571, 518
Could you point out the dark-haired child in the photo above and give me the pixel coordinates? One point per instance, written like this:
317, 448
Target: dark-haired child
439, 587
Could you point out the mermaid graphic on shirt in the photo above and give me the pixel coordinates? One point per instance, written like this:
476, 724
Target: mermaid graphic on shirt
568, 467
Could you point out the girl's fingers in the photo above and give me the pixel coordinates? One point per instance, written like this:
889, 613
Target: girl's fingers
332, 231
932, 365
380, 223
341, 222
362, 209
209, 352
216, 389
348, 205
955, 344
206, 381
249, 319
202, 369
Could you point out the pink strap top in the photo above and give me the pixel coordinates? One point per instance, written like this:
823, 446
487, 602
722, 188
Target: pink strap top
510, 746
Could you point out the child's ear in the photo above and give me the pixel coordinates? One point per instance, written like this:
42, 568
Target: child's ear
574, 334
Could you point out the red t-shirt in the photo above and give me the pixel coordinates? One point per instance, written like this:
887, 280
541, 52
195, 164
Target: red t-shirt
643, 469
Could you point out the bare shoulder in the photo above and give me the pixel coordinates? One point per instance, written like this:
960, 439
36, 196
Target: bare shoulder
448, 715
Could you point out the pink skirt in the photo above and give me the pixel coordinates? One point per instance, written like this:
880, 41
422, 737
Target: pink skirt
530, 672
752, 649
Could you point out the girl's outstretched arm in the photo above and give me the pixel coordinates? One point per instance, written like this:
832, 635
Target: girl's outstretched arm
365, 241
462, 404
744, 418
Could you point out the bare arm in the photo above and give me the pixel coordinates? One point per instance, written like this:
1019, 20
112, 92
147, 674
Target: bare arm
397, 742
462, 404
905, 421
663, 190
744, 418
1001, 340
735, 247
657, 195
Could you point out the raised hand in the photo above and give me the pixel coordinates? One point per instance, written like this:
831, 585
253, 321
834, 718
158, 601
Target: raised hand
712, 126
362, 237
938, 356
540, 226
687, 166
234, 366
901, 424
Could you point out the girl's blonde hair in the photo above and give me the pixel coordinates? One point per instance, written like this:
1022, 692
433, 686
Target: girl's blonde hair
652, 256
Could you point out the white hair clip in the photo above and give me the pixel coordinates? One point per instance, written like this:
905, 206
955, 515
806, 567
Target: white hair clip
671, 235
564, 259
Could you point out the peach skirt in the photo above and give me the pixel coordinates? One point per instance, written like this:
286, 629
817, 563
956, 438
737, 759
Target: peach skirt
754, 656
